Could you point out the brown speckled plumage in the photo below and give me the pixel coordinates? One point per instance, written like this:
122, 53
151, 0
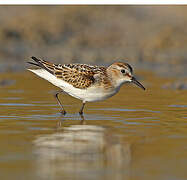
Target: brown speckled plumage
79, 75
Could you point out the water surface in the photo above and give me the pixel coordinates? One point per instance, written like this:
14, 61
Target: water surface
134, 135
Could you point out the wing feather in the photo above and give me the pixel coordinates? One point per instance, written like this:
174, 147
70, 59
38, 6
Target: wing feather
79, 75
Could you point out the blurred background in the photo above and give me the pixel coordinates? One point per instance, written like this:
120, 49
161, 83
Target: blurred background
135, 134
149, 37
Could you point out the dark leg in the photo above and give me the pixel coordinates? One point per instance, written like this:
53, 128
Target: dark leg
81, 110
62, 108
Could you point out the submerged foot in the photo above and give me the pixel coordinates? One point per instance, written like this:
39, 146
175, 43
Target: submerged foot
82, 122
63, 112
81, 112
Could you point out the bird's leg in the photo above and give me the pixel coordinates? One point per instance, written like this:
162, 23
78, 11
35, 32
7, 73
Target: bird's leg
63, 110
81, 110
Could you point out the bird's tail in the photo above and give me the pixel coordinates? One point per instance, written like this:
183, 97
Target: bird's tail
43, 64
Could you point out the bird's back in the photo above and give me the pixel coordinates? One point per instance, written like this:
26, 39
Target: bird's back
79, 76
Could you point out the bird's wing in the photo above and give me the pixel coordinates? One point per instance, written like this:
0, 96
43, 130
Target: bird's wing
78, 75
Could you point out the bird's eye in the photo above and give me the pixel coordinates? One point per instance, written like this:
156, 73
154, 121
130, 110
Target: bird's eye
123, 71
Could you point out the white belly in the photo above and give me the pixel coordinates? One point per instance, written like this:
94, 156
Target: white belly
91, 94
87, 95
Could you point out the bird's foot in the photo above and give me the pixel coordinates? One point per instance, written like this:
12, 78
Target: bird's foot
81, 112
82, 122
63, 112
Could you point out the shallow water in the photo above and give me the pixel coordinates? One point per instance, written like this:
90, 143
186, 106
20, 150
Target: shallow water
134, 135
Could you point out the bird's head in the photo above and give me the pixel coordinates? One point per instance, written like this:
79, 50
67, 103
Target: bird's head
122, 73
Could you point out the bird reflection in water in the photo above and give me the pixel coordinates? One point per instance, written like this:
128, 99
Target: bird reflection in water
82, 152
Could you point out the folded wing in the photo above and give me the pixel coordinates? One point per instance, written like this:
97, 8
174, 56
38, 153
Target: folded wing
79, 75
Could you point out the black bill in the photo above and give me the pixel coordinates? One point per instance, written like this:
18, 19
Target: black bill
137, 83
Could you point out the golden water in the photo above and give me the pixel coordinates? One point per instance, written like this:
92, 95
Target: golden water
134, 135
